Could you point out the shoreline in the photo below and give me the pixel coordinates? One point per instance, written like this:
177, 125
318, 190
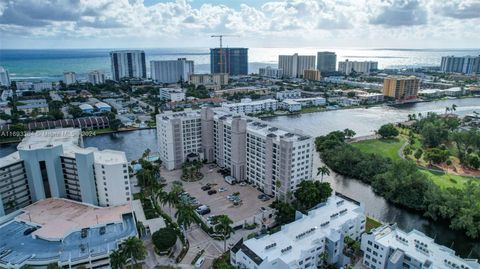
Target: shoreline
366, 106
101, 132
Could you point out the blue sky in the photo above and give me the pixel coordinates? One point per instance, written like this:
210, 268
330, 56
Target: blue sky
268, 23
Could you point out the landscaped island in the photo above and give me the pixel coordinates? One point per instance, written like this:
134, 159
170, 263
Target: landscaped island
428, 165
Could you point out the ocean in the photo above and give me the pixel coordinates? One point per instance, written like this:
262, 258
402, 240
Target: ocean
49, 65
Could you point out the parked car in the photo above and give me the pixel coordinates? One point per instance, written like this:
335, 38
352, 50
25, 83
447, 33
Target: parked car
200, 262
210, 192
230, 180
206, 188
222, 189
203, 209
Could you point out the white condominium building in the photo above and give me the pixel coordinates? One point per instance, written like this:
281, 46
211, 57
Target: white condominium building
128, 64
171, 71
270, 72
292, 94
96, 77
4, 77
69, 78
303, 243
365, 67
294, 65
54, 164
388, 247
172, 94
253, 150
247, 106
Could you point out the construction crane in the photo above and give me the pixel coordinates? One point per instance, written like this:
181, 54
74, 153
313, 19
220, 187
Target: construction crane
220, 63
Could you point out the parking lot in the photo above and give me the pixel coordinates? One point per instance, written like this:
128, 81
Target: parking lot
248, 210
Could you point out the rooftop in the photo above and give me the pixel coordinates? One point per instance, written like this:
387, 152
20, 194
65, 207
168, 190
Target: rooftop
302, 234
420, 247
50, 138
102, 105
105, 227
58, 217
108, 156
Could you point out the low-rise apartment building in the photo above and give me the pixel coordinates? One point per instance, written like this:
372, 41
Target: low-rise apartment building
388, 247
210, 81
253, 150
31, 105
292, 94
307, 242
370, 98
172, 94
247, 106
54, 164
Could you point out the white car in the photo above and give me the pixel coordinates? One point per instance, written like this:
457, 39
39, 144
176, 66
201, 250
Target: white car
200, 262
222, 189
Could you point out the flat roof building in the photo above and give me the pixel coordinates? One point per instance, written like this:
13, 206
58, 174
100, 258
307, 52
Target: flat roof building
364, 67
300, 244
247, 106
96, 77
172, 94
171, 71
253, 150
64, 232
210, 81
128, 64
326, 61
388, 247
69, 78
401, 87
54, 164
311, 74
31, 105
294, 65
233, 61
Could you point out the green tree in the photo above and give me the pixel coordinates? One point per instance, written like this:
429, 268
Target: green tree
164, 239
285, 212
418, 154
134, 249
349, 133
388, 131
224, 228
310, 193
185, 215
436, 155
323, 170
117, 259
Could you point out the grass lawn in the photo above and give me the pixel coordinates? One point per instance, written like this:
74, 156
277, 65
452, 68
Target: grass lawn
371, 224
383, 147
390, 147
446, 180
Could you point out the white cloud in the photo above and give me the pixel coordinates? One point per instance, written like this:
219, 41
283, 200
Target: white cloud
276, 22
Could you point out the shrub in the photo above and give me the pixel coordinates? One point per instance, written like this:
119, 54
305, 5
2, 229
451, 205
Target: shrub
164, 239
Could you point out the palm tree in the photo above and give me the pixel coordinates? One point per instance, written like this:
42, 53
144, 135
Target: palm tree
134, 249
117, 259
323, 170
185, 215
170, 198
224, 228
